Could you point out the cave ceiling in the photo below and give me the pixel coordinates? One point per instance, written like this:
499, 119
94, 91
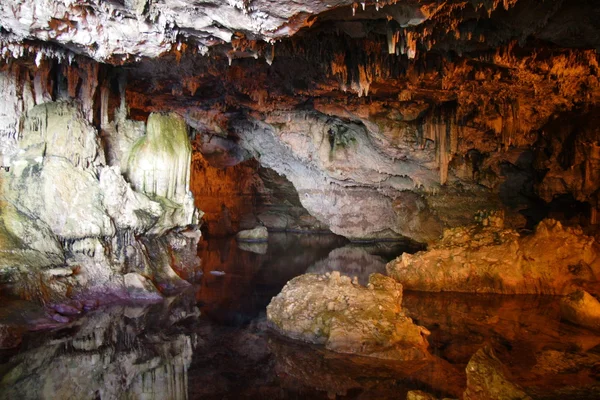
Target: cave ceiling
400, 100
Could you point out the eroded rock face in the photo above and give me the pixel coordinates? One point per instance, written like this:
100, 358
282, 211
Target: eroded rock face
63, 207
348, 318
496, 260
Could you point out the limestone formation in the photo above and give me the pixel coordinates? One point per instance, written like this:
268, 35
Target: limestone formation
62, 206
488, 379
258, 234
159, 166
332, 310
581, 308
491, 259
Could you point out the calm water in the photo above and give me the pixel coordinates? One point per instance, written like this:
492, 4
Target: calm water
211, 342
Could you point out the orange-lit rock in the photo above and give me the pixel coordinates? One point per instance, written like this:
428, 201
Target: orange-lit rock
491, 259
226, 195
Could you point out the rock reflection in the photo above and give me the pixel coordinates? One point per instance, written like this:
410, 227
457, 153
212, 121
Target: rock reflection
251, 278
549, 358
119, 352
361, 260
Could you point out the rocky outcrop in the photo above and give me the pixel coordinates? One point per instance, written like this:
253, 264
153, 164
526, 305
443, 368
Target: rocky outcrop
581, 308
332, 310
488, 379
64, 208
258, 234
491, 259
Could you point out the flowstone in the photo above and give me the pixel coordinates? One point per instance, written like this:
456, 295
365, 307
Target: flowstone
63, 208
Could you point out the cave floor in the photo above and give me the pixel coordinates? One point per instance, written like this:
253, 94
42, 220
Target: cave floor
227, 352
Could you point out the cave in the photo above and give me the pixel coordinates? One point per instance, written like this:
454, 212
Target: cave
300, 200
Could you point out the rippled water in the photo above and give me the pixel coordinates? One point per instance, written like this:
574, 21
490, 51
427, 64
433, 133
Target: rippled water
211, 342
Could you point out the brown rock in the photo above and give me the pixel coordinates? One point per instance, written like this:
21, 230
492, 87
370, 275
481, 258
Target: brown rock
581, 308
487, 379
490, 259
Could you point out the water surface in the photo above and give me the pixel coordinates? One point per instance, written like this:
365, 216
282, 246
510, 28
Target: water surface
212, 342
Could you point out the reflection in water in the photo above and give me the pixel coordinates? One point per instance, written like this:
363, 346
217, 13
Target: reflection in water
252, 278
117, 352
168, 351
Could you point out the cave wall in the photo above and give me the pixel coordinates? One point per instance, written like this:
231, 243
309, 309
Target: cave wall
71, 219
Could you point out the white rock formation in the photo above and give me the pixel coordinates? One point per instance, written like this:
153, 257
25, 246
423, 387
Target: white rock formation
128, 208
149, 28
332, 310
159, 166
61, 205
334, 166
258, 234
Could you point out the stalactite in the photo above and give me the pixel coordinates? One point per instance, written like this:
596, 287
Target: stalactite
88, 88
41, 86
411, 45
393, 38
270, 54
104, 98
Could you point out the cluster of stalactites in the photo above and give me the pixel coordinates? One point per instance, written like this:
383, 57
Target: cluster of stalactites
442, 129
401, 43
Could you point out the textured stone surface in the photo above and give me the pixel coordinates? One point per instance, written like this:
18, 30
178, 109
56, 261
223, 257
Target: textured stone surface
488, 379
581, 308
62, 206
332, 310
496, 260
258, 234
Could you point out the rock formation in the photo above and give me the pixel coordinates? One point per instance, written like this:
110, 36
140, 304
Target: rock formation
332, 310
65, 208
581, 308
390, 119
491, 259
487, 379
258, 234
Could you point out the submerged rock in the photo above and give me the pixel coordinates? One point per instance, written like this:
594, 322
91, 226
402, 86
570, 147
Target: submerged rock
491, 259
487, 379
581, 308
258, 234
332, 310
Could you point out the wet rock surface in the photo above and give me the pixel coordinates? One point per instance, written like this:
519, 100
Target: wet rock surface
487, 379
332, 310
490, 259
581, 308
